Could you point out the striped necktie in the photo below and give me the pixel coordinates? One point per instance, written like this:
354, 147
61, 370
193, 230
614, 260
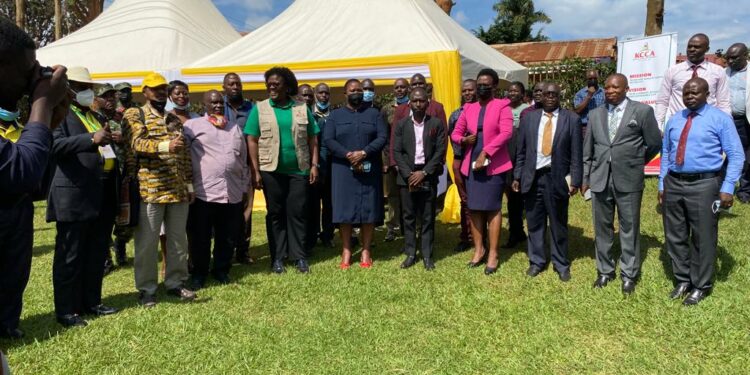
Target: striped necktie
614, 121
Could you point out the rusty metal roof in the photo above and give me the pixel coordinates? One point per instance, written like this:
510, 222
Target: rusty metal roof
530, 53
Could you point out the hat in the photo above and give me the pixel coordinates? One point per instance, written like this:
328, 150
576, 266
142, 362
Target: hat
123, 85
102, 89
79, 74
154, 80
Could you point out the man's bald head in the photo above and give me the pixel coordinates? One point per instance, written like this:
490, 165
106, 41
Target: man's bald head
695, 93
213, 102
736, 56
418, 80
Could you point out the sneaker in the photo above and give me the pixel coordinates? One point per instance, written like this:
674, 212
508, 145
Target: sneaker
183, 293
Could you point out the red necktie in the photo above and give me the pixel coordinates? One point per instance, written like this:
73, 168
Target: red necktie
683, 139
695, 70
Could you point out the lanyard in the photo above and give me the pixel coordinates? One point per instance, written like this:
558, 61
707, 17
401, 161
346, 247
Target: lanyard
11, 133
88, 120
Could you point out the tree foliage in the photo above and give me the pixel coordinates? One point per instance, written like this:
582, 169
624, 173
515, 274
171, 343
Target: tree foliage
570, 74
40, 16
513, 23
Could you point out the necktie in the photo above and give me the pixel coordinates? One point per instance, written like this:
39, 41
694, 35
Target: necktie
695, 71
547, 136
680, 160
613, 123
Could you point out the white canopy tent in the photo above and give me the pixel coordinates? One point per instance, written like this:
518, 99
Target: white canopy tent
134, 37
378, 39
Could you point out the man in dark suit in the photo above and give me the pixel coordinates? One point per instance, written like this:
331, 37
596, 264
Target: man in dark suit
622, 137
419, 147
549, 153
23, 160
83, 202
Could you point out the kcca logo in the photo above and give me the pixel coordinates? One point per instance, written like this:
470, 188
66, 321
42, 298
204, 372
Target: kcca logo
645, 53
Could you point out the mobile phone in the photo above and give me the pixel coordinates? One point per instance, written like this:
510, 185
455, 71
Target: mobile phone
46, 72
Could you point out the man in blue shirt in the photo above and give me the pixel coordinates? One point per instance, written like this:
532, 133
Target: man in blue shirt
23, 160
588, 98
691, 188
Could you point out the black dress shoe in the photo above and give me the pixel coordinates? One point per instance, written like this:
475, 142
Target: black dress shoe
71, 320
408, 262
302, 266
197, 282
11, 333
222, 278
533, 270
278, 266
696, 296
602, 281
102, 310
183, 293
146, 300
429, 265
679, 291
564, 276
628, 286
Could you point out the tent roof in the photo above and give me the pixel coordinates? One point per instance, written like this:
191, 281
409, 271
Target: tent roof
143, 35
361, 29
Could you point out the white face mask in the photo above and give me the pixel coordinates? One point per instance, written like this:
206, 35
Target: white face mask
85, 98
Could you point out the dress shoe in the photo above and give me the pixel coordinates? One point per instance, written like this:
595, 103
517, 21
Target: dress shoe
744, 198
564, 276
628, 286
602, 281
222, 278
245, 259
408, 262
679, 291
183, 293
11, 333
278, 266
473, 264
429, 265
461, 247
71, 320
197, 282
533, 270
147, 300
302, 266
696, 296
390, 235
490, 270
102, 310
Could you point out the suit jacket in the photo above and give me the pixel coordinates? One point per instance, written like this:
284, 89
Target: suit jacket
636, 142
76, 191
404, 147
434, 109
747, 90
497, 133
566, 151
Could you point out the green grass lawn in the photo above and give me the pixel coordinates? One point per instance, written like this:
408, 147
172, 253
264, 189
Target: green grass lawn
391, 321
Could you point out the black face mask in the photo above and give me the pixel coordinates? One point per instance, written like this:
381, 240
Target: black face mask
125, 98
593, 82
484, 91
355, 100
159, 106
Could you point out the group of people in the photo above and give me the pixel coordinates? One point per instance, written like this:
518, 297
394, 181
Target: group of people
162, 174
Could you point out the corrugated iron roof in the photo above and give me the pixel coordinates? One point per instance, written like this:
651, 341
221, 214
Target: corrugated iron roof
530, 53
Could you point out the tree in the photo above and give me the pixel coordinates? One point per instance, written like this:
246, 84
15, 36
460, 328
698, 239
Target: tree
513, 23
654, 17
39, 16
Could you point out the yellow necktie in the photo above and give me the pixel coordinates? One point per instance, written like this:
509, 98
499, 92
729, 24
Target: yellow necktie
547, 136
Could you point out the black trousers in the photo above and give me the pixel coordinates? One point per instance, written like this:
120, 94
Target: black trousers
286, 203
541, 204
515, 213
16, 243
217, 220
743, 130
418, 206
691, 229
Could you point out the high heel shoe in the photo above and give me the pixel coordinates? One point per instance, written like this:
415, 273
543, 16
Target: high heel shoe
490, 270
476, 264
344, 266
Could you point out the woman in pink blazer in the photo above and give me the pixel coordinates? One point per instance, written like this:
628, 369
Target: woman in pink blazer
484, 130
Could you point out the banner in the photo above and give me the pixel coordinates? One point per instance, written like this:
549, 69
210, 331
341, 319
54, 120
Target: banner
644, 61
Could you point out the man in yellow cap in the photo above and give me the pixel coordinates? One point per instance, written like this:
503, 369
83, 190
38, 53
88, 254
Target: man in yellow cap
165, 178
83, 202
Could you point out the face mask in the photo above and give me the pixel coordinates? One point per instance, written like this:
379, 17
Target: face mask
403, 100
484, 91
124, 97
369, 96
172, 105
159, 106
85, 98
323, 106
9, 116
355, 99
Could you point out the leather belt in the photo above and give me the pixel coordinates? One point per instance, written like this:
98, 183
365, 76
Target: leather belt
693, 176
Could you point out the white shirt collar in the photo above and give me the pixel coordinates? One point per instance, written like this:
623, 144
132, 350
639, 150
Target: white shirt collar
621, 106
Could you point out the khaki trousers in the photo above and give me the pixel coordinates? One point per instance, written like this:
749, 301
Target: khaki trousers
174, 216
